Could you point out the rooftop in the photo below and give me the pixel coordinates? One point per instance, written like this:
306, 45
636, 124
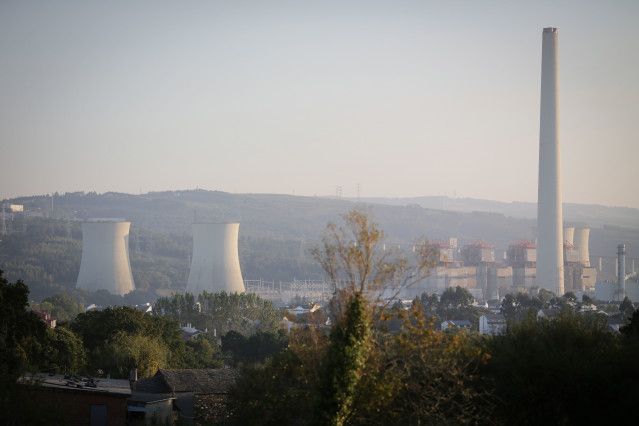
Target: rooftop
80, 384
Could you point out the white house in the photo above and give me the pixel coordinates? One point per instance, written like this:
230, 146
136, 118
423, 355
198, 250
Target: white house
492, 324
448, 324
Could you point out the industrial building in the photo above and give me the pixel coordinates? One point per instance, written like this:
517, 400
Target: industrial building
487, 278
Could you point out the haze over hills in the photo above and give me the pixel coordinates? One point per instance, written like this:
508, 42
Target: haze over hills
591, 215
275, 234
289, 217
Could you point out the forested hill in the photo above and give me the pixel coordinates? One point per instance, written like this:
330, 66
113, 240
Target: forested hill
276, 233
288, 217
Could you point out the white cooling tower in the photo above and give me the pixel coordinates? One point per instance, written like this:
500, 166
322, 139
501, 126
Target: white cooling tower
581, 240
105, 257
569, 235
550, 247
215, 264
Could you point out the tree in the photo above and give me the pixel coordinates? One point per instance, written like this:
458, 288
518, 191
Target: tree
626, 307
245, 313
364, 274
456, 298
587, 300
517, 306
423, 376
179, 307
347, 357
61, 307
362, 374
283, 390
23, 337
549, 362
109, 330
457, 303
352, 257
64, 352
203, 352
123, 352
22, 333
255, 348
630, 332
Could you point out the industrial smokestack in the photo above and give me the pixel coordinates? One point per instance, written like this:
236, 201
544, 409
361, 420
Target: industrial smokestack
215, 265
581, 240
550, 258
621, 271
105, 257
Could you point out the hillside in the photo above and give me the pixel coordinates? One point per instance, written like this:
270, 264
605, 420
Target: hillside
276, 231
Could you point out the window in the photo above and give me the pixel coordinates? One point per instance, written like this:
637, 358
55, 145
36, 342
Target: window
98, 415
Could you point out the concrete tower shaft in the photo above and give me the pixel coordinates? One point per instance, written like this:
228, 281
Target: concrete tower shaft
105, 258
582, 235
621, 271
550, 259
569, 235
216, 265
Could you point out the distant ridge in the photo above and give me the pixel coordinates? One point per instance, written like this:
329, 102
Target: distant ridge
290, 217
592, 215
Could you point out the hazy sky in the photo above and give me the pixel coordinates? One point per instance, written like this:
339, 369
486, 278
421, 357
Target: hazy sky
404, 98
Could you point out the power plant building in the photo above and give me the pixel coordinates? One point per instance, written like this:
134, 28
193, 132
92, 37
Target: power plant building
215, 264
105, 257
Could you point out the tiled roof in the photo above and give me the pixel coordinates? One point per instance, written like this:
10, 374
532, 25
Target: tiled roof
495, 318
203, 382
155, 384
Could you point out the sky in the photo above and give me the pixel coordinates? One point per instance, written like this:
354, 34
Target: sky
376, 98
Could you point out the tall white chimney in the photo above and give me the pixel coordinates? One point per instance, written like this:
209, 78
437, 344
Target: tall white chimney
550, 257
216, 264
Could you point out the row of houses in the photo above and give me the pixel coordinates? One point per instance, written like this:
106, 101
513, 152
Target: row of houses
495, 323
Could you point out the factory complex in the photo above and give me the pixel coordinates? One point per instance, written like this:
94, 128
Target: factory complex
558, 260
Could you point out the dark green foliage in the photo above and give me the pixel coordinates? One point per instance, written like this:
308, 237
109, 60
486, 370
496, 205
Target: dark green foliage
22, 333
454, 303
23, 338
64, 352
626, 307
365, 377
517, 306
587, 300
455, 298
255, 348
283, 390
346, 359
421, 376
630, 333
235, 343
104, 330
556, 372
179, 307
203, 352
245, 313
457, 303
61, 306
47, 261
